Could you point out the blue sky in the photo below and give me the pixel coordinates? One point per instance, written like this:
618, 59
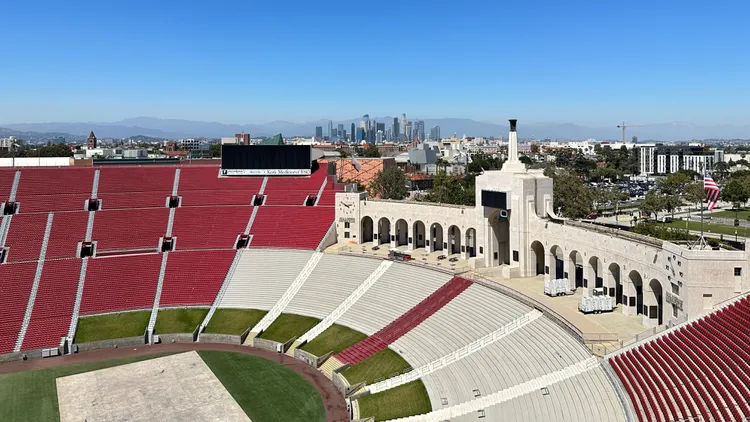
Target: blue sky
591, 63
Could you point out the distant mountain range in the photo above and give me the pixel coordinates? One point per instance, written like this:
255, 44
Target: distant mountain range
175, 128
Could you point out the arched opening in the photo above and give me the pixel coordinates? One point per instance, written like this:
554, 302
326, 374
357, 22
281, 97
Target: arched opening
575, 268
366, 229
402, 232
436, 237
454, 240
637, 299
596, 274
500, 237
419, 234
615, 285
559, 257
537, 256
471, 242
384, 231
656, 303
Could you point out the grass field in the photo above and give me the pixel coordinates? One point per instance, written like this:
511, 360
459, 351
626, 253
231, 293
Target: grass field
405, 400
710, 228
265, 390
287, 326
32, 395
181, 320
378, 366
233, 321
106, 327
743, 214
336, 338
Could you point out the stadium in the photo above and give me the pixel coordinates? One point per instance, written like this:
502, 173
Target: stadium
261, 289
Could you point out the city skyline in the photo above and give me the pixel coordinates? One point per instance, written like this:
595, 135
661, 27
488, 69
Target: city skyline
542, 61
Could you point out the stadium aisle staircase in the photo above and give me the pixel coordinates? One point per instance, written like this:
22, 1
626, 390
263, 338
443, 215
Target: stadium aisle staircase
701, 370
405, 322
54, 304
35, 284
457, 355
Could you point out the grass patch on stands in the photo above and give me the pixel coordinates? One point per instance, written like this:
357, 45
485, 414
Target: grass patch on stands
180, 320
381, 365
405, 400
742, 214
335, 338
32, 395
287, 326
233, 321
708, 227
111, 326
266, 390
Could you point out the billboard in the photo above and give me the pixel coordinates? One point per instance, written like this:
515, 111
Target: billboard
266, 160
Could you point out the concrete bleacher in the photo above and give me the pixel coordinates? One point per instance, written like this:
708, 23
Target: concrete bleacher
120, 283
405, 323
532, 351
330, 283
209, 227
475, 313
53, 307
15, 287
399, 289
194, 277
697, 371
262, 276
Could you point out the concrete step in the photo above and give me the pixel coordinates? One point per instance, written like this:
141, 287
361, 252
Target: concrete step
329, 365
292, 348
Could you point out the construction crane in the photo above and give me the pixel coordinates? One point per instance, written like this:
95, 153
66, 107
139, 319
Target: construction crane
623, 126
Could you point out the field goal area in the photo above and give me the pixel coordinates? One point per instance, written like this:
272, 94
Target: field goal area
172, 388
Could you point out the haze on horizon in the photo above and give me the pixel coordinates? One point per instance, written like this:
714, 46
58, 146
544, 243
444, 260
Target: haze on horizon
580, 62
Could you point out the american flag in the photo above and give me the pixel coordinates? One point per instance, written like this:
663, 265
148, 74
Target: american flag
712, 190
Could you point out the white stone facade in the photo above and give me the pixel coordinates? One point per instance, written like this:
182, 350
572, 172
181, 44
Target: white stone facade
660, 280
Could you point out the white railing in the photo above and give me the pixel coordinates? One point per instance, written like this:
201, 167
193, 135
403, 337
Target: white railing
251, 220
220, 293
90, 226
34, 285
79, 295
157, 296
347, 303
14, 188
4, 228
263, 185
170, 222
321, 244
506, 394
176, 182
320, 191
455, 356
289, 293
95, 185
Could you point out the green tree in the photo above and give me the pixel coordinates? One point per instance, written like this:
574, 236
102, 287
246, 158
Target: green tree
694, 193
721, 171
652, 204
572, 197
736, 192
525, 160
389, 184
342, 153
215, 150
452, 190
371, 151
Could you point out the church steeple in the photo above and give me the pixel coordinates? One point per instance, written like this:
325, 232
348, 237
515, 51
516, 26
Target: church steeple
92, 140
